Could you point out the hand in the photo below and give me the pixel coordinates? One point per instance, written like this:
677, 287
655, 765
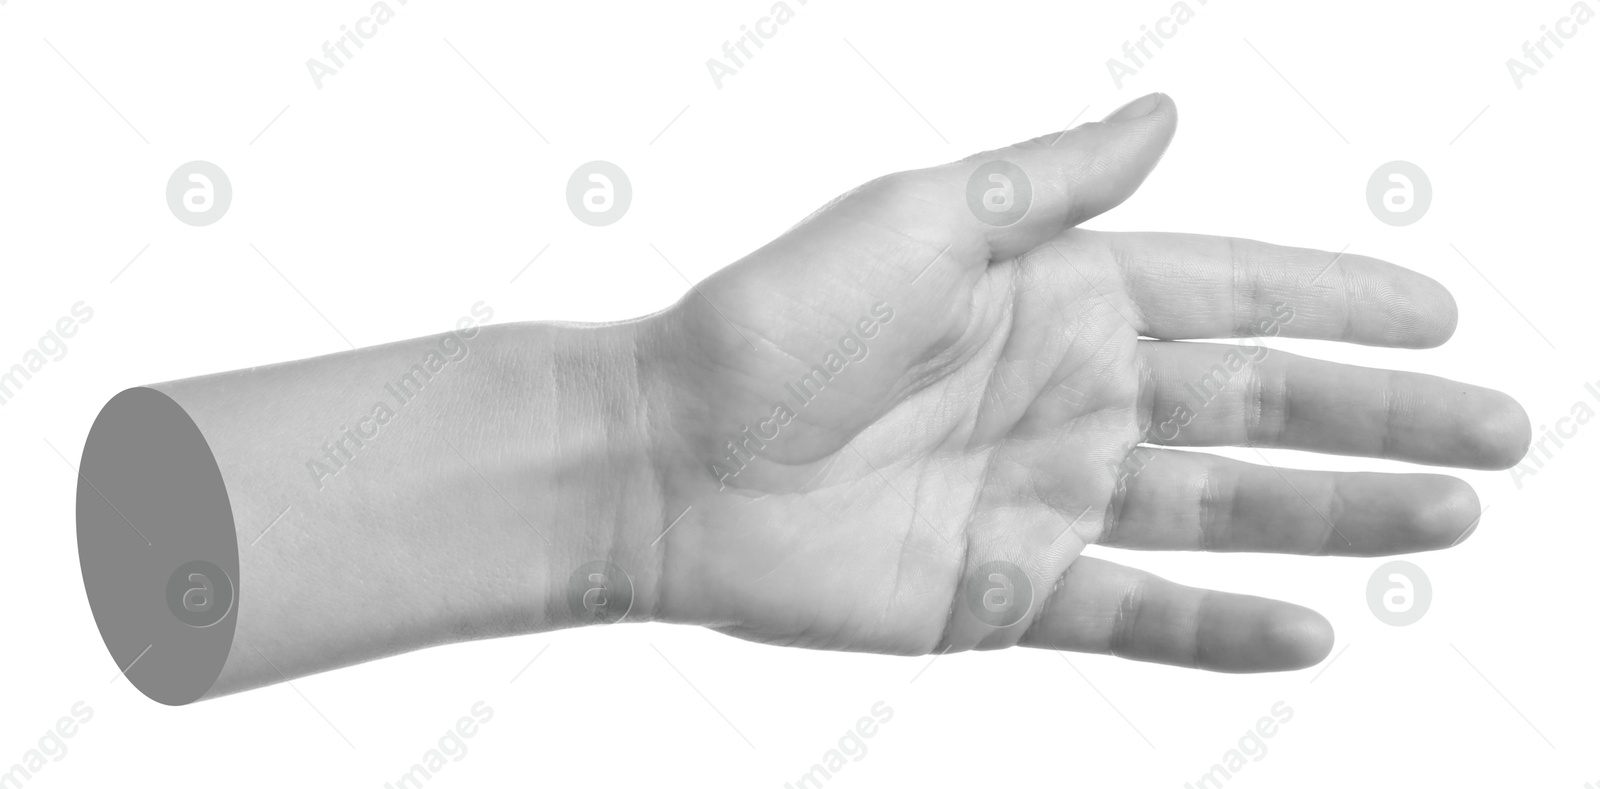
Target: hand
980, 398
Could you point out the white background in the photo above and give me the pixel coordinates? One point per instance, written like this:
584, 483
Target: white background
406, 189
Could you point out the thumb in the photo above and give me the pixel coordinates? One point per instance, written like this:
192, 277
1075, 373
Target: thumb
1021, 196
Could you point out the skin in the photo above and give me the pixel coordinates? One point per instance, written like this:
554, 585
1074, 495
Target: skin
1011, 410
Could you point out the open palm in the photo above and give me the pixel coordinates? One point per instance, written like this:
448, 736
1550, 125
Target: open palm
896, 427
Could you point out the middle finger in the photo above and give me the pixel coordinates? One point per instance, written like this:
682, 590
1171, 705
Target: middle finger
1211, 394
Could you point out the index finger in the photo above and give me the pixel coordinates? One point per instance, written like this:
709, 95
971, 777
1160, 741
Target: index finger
1207, 287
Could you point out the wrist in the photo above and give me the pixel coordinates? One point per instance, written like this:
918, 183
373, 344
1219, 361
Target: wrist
579, 437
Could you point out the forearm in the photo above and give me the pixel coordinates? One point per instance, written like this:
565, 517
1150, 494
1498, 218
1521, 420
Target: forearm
426, 491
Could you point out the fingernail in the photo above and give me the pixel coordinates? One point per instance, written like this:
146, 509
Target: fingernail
1138, 108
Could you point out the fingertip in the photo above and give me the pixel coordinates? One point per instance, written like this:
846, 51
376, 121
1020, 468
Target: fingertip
1421, 311
1501, 436
1152, 125
1475, 513
1447, 315
1023, 195
1166, 103
1138, 108
1445, 516
1166, 110
1295, 637
1157, 106
1161, 126
1452, 316
1250, 634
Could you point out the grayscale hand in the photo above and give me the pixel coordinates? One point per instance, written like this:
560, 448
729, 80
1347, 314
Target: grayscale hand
867, 422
